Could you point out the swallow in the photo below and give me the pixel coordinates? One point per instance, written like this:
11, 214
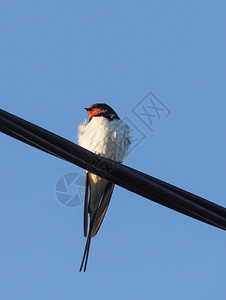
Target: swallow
106, 135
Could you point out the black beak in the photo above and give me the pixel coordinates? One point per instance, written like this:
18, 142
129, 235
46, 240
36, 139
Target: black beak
88, 109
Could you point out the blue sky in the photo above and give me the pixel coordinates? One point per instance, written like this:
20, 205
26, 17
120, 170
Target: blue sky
58, 57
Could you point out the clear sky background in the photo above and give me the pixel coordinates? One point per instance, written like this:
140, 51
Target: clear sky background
58, 57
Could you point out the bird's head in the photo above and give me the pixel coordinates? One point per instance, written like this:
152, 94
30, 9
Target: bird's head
101, 110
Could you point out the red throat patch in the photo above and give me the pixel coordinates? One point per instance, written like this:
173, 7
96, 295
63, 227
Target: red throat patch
94, 112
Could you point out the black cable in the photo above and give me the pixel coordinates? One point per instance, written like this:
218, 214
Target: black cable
133, 180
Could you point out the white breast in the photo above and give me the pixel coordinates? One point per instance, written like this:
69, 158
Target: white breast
110, 139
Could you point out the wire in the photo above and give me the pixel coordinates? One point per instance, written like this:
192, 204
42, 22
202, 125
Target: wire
131, 179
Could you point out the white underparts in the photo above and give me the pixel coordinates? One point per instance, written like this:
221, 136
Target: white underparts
110, 139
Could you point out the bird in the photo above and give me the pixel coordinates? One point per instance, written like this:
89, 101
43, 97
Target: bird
107, 135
